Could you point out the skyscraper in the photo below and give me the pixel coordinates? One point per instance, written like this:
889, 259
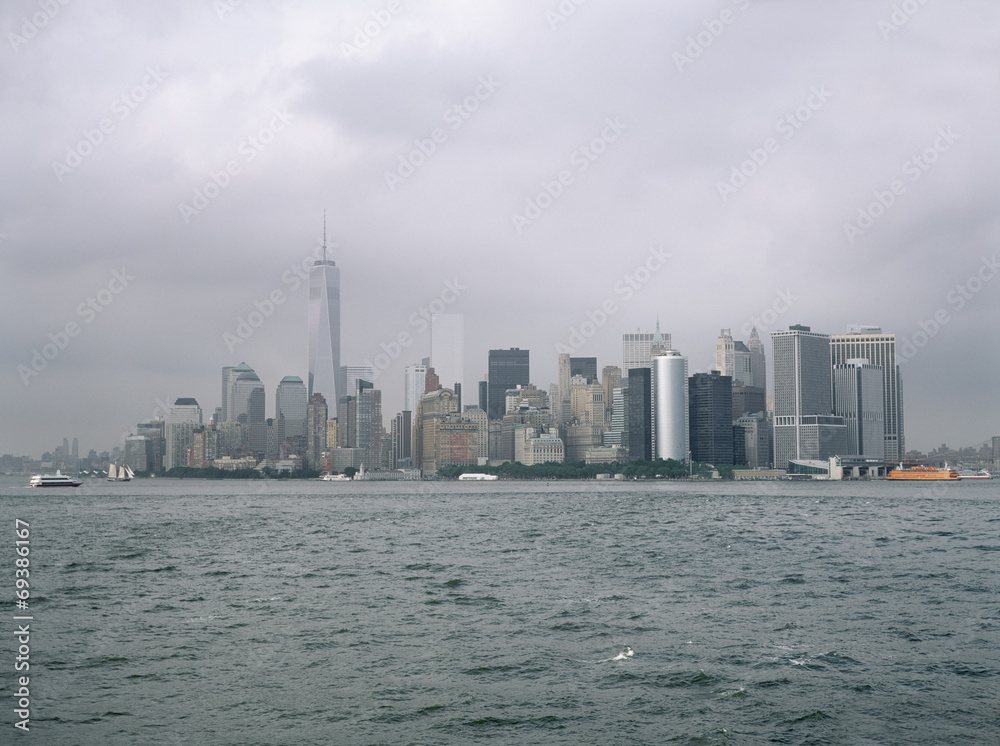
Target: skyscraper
370, 426
869, 343
448, 348
183, 419
804, 424
611, 379
670, 406
401, 431
230, 374
290, 402
561, 405
744, 364
257, 422
350, 375
414, 380
583, 366
710, 401
758, 362
857, 397
638, 348
639, 403
507, 369
324, 327
316, 415
239, 401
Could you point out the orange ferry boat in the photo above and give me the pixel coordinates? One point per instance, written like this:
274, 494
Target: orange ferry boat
922, 472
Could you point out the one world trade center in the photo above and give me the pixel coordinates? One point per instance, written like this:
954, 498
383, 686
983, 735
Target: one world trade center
324, 328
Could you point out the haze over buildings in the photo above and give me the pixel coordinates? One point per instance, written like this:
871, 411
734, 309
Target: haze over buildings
517, 164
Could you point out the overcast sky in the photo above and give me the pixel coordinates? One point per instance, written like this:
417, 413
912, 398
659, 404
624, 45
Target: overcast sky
166, 168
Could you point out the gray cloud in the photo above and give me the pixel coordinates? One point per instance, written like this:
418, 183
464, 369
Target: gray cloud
352, 117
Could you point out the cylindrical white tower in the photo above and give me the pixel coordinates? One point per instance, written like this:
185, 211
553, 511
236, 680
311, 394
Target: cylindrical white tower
670, 406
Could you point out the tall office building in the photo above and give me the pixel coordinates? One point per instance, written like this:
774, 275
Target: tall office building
857, 397
710, 402
153, 431
611, 379
431, 380
137, 454
230, 374
744, 363
256, 420
507, 369
804, 424
639, 404
869, 343
670, 406
435, 408
316, 416
561, 404
755, 429
448, 348
324, 328
733, 359
725, 352
758, 362
351, 374
370, 426
290, 402
182, 420
638, 348
347, 422
617, 435
401, 432
239, 404
479, 418
583, 366
414, 380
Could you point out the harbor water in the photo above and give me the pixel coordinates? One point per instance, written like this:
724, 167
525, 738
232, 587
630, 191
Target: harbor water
235, 612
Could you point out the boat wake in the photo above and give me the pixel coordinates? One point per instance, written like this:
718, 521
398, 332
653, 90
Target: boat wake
625, 655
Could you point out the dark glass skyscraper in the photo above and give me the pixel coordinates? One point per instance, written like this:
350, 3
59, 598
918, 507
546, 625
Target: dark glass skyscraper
711, 412
507, 370
639, 403
583, 366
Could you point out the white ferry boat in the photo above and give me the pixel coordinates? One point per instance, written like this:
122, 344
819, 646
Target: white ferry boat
53, 480
471, 477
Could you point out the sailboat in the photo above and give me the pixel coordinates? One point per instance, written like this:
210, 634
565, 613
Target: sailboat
119, 473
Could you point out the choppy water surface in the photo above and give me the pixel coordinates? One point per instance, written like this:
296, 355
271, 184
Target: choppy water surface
512, 613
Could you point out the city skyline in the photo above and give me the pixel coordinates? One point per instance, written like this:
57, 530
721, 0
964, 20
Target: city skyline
521, 166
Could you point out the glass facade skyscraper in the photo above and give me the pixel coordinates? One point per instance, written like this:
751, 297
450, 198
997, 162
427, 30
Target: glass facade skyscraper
448, 348
324, 329
869, 343
290, 402
710, 403
507, 369
804, 424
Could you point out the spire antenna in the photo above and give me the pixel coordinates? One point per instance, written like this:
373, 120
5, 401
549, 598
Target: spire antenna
324, 234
